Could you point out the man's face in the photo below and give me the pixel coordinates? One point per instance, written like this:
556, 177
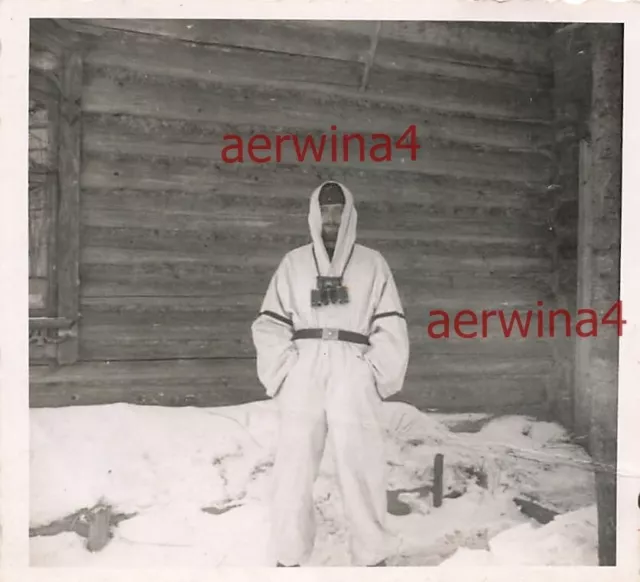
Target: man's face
331, 216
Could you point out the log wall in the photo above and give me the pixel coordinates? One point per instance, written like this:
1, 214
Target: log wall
177, 247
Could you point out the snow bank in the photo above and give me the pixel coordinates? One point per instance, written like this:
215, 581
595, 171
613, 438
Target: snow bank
568, 540
168, 464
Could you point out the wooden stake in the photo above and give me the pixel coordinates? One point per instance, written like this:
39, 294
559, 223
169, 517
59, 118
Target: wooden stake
438, 466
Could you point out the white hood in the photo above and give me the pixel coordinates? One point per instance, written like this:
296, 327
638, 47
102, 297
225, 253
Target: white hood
346, 234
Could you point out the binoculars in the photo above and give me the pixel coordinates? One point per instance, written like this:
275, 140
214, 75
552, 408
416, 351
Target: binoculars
329, 291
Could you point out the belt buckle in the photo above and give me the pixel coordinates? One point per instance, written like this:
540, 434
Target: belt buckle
329, 333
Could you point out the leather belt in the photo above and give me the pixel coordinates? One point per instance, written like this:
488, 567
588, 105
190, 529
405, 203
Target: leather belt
327, 333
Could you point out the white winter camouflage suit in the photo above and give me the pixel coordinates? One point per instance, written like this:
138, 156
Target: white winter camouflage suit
331, 388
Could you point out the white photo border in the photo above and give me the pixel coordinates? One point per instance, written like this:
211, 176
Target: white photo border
14, 374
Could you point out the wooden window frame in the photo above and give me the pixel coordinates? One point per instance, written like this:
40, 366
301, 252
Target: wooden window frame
57, 66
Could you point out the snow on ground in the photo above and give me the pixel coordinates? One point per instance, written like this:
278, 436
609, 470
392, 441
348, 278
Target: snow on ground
570, 539
166, 465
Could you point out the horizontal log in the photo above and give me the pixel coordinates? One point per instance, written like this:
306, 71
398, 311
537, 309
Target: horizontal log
171, 58
167, 141
111, 343
101, 280
206, 317
204, 370
228, 382
419, 294
233, 339
101, 277
106, 343
114, 91
50, 323
423, 351
180, 231
123, 346
278, 113
491, 208
474, 97
424, 291
539, 30
122, 172
403, 55
295, 38
197, 257
168, 383
507, 45
241, 223
287, 37
445, 397
182, 249
424, 318
106, 281
117, 90
150, 55
486, 394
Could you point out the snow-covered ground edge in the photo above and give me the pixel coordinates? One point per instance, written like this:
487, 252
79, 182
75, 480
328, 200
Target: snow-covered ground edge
196, 482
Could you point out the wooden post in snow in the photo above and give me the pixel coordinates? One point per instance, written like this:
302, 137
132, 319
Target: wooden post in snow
438, 469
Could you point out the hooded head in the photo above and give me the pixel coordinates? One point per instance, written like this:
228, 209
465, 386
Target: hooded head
332, 223
331, 199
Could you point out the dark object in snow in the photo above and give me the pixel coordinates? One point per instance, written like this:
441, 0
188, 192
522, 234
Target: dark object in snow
81, 523
399, 508
438, 469
380, 564
99, 529
470, 426
220, 510
279, 565
395, 506
531, 509
454, 494
479, 474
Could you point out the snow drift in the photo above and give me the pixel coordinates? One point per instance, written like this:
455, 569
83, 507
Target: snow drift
192, 483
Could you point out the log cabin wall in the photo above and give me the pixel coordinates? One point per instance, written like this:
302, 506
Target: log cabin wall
177, 247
